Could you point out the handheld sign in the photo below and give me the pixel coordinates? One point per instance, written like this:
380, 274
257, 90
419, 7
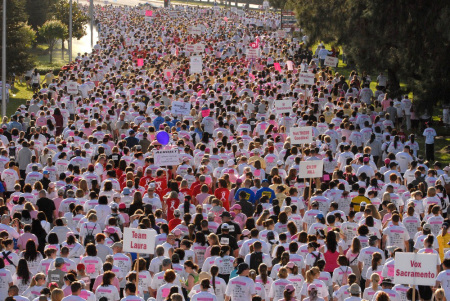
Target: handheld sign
307, 78
415, 269
180, 108
301, 135
252, 53
283, 106
72, 87
166, 157
140, 241
331, 61
196, 64
311, 169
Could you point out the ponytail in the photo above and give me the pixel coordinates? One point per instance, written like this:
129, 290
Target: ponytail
263, 273
214, 272
186, 206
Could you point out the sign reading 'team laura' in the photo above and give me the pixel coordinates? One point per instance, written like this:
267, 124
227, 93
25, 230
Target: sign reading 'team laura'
139, 240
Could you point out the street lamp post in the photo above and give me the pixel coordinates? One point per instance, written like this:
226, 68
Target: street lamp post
91, 15
70, 31
4, 61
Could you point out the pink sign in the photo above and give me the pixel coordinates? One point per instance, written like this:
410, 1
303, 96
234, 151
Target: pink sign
225, 19
277, 67
148, 13
140, 62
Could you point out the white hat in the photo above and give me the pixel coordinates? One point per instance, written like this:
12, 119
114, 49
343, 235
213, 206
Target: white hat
230, 162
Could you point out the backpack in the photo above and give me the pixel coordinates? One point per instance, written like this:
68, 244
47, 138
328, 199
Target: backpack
118, 220
317, 257
5, 257
90, 238
443, 203
256, 258
446, 186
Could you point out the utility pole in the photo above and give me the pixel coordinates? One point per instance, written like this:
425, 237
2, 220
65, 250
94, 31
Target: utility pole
70, 31
4, 61
91, 15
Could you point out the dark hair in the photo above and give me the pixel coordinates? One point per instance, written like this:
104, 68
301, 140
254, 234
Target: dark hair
30, 253
23, 271
331, 241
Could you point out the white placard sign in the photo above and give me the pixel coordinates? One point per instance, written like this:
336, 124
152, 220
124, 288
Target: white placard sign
199, 47
311, 169
181, 108
72, 87
196, 64
283, 106
190, 48
140, 241
415, 269
252, 53
195, 30
148, 19
167, 157
281, 34
307, 78
301, 135
331, 61
234, 9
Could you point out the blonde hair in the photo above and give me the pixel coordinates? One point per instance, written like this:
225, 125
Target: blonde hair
57, 294
431, 192
311, 274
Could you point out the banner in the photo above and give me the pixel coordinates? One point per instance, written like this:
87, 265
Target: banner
283, 106
415, 269
196, 64
331, 61
190, 48
301, 135
140, 241
311, 169
72, 87
148, 13
307, 78
181, 108
140, 62
166, 157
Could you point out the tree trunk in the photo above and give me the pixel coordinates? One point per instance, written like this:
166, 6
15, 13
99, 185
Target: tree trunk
62, 49
51, 54
393, 83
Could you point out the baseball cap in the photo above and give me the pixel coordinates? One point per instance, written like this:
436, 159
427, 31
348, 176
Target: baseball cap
177, 232
319, 216
290, 288
126, 191
290, 265
245, 232
363, 204
46, 172
366, 159
354, 289
117, 245
225, 226
59, 261
387, 161
230, 162
114, 206
312, 287
279, 162
225, 214
236, 207
427, 227
373, 238
177, 212
122, 206
238, 181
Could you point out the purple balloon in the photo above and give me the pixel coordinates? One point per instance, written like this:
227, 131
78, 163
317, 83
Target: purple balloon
163, 137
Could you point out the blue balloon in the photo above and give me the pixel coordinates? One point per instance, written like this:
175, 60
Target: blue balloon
163, 137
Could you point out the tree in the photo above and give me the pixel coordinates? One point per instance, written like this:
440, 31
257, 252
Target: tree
51, 31
61, 10
38, 11
392, 36
19, 38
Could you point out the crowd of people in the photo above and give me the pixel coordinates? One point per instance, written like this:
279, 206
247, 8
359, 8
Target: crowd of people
234, 220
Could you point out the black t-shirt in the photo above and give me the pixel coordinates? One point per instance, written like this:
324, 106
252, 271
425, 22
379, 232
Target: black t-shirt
47, 206
235, 229
226, 239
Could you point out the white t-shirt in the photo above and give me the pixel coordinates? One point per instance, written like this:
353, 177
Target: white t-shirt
240, 289
109, 291
203, 296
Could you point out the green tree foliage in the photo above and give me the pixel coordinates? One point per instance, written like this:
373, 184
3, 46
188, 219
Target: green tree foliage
19, 38
60, 11
407, 39
38, 11
52, 31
